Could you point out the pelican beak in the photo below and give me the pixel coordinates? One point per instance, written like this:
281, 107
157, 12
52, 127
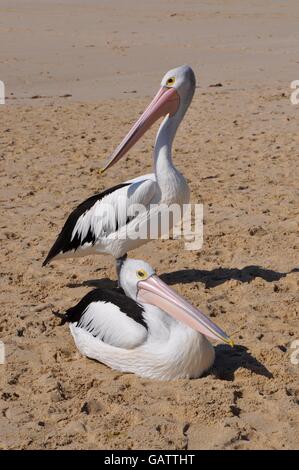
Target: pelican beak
155, 292
166, 101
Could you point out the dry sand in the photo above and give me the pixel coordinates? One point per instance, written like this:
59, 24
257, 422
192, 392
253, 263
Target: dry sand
238, 147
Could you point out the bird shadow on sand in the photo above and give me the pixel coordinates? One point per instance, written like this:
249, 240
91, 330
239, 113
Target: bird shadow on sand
210, 278
215, 277
104, 283
228, 360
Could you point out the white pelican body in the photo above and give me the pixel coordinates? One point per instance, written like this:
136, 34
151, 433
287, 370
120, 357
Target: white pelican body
148, 330
103, 223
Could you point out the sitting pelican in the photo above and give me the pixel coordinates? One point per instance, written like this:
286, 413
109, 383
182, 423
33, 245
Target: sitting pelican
145, 327
103, 223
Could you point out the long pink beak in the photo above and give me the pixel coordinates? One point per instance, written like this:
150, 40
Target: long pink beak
155, 292
166, 101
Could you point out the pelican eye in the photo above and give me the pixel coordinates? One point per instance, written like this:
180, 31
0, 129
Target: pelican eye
141, 274
170, 81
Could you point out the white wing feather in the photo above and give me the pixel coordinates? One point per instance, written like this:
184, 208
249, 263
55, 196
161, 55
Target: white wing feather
109, 214
106, 322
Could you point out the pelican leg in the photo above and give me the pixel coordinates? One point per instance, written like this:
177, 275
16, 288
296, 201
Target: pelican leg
119, 262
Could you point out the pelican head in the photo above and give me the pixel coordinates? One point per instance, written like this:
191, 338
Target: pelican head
140, 282
182, 80
172, 100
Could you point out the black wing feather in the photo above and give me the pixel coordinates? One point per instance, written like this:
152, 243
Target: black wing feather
116, 296
64, 242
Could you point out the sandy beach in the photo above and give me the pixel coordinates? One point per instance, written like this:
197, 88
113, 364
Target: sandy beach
77, 75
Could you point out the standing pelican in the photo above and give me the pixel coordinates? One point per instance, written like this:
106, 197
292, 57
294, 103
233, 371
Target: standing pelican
103, 223
147, 328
